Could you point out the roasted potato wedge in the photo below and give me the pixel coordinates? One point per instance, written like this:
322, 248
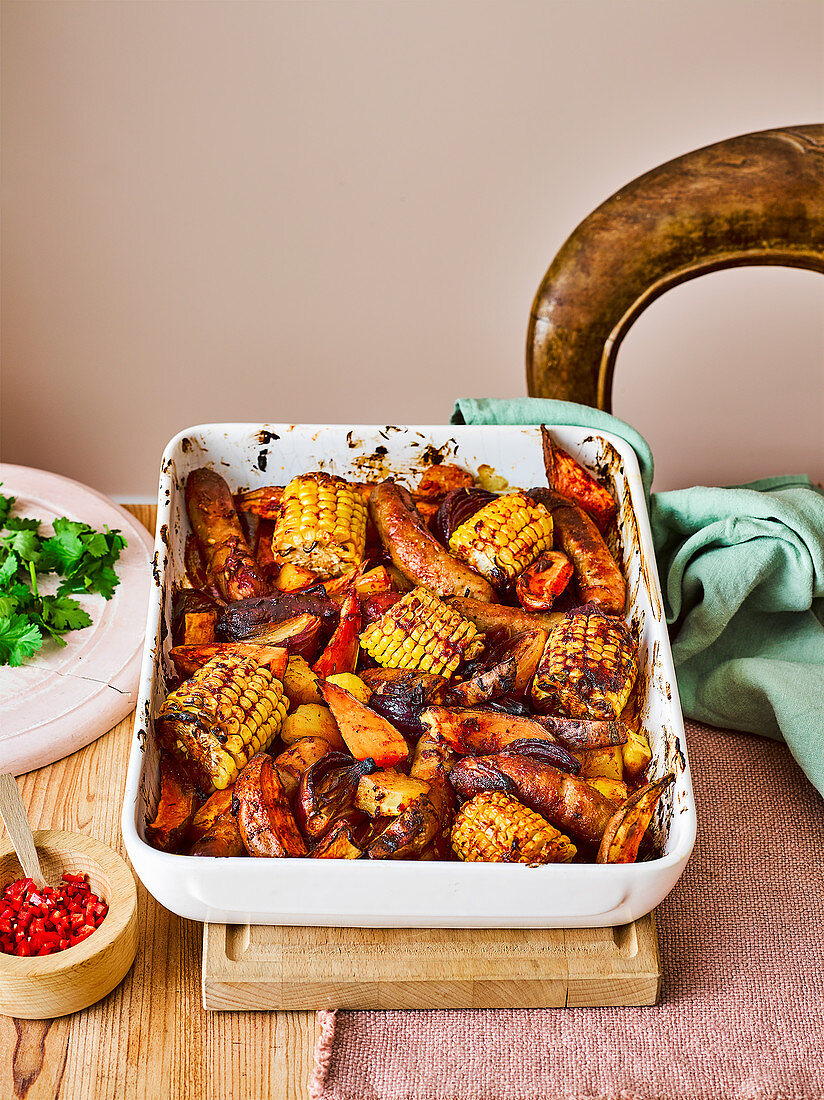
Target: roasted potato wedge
613, 789
428, 818
388, 793
637, 755
294, 578
625, 830
300, 684
351, 683
311, 720
606, 763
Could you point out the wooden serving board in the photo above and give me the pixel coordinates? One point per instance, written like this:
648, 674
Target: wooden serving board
263, 967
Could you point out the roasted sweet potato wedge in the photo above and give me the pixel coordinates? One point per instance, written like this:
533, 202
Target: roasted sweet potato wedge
222, 839
365, 732
189, 658
571, 480
341, 654
189, 602
540, 585
267, 827
437, 481
217, 804
625, 830
294, 761
199, 627
175, 809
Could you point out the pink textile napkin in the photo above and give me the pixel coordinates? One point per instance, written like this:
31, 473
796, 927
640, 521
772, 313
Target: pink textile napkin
742, 944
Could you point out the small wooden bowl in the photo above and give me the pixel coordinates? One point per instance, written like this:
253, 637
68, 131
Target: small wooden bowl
55, 985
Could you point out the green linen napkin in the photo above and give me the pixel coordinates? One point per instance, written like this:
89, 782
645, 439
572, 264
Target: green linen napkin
742, 569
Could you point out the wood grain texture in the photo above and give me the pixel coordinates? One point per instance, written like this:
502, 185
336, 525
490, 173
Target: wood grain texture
150, 1037
404, 968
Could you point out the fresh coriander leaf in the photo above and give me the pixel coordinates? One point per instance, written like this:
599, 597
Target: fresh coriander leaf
6, 505
19, 639
95, 543
19, 523
8, 567
62, 552
26, 544
8, 605
63, 613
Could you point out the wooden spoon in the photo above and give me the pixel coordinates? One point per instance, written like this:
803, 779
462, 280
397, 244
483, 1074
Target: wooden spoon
14, 815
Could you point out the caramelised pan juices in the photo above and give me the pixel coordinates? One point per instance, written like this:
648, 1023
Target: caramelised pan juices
432, 645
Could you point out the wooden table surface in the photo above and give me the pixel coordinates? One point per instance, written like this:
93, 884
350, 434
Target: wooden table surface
150, 1037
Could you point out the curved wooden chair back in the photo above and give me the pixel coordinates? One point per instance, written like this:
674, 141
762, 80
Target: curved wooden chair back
753, 199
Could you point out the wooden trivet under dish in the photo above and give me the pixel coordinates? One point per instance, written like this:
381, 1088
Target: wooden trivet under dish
266, 967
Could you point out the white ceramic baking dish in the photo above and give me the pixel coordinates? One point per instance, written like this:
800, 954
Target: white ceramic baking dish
367, 893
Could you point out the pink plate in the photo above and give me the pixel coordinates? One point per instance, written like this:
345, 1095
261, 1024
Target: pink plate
62, 699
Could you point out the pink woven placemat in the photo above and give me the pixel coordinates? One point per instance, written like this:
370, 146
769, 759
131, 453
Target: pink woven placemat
742, 942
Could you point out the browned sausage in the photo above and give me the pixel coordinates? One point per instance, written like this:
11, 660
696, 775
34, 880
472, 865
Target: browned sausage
568, 803
415, 552
599, 578
489, 617
226, 554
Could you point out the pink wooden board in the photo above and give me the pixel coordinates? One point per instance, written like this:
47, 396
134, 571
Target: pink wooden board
62, 699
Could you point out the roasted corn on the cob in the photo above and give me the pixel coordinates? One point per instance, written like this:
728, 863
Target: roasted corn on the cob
588, 666
504, 537
216, 721
420, 631
495, 828
321, 525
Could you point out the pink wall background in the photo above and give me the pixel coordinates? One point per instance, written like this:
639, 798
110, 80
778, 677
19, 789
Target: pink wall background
340, 211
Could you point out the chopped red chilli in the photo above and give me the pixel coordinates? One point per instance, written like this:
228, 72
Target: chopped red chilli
41, 922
